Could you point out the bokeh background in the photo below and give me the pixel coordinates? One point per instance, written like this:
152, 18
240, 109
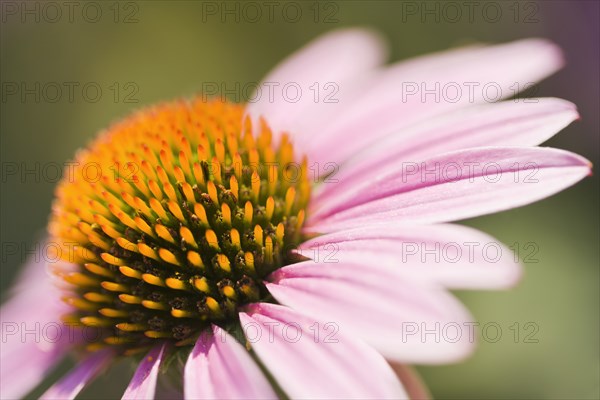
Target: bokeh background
146, 51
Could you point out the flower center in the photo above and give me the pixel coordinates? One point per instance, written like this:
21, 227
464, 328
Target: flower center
171, 219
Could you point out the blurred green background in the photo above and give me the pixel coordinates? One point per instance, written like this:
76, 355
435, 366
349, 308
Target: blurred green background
158, 50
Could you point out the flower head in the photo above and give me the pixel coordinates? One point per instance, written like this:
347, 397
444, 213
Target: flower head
209, 237
197, 214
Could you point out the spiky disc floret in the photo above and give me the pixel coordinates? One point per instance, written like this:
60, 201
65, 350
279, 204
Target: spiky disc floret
171, 219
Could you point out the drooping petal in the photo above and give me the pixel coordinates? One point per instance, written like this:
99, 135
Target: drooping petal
453, 256
143, 384
83, 373
383, 306
526, 122
313, 360
328, 60
424, 87
454, 186
19, 378
32, 329
412, 382
221, 368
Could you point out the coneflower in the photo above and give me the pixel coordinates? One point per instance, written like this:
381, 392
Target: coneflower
197, 230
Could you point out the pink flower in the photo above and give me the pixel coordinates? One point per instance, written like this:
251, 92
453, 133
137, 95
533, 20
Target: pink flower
194, 252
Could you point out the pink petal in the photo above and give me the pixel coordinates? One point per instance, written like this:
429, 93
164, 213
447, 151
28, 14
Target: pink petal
507, 123
221, 368
454, 186
85, 371
386, 307
386, 104
19, 378
331, 58
310, 359
32, 330
143, 384
453, 256
411, 380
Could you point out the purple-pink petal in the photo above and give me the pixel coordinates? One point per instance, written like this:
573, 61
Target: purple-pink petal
454, 186
310, 359
453, 256
221, 368
143, 384
32, 330
397, 97
386, 307
17, 377
329, 59
83, 373
528, 122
